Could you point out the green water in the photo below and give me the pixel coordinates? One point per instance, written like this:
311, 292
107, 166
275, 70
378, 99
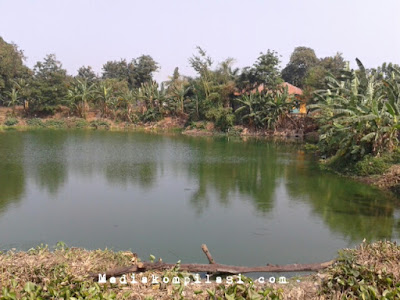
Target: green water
252, 202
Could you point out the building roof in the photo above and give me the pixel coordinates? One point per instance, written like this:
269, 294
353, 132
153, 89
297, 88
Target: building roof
292, 90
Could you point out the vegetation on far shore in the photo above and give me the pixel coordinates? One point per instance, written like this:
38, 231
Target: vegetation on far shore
370, 271
355, 112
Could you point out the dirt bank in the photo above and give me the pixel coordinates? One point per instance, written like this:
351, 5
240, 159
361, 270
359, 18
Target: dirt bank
390, 180
63, 119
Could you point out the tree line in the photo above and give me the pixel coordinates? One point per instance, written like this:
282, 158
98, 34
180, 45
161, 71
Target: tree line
357, 110
126, 90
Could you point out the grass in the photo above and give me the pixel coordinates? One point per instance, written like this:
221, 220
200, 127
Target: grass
370, 271
73, 123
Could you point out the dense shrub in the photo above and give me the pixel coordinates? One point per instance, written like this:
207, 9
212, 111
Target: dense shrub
370, 165
352, 278
222, 117
359, 114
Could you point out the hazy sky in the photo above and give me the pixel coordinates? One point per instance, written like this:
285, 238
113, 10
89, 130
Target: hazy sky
91, 32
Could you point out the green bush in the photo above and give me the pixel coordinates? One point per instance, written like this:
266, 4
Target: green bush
151, 115
197, 125
222, 117
98, 124
61, 286
35, 122
11, 121
356, 281
311, 147
81, 123
55, 124
370, 165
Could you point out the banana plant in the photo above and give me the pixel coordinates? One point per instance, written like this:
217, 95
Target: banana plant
12, 99
253, 109
129, 102
79, 96
105, 97
359, 113
178, 94
279, 105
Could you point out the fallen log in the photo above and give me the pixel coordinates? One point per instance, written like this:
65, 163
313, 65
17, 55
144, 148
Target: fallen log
212, 267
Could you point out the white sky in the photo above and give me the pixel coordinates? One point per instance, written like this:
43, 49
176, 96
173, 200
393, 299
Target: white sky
91, 32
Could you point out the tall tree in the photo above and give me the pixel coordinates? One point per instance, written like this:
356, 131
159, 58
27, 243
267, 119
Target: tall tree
49, 86
120, 70
301, 61
316, 77
144, 66
265, 72
212, 90
87, 74
135, 73
12, 66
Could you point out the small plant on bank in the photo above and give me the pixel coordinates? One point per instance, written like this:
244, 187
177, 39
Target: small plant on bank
370, 165
35, 122
57, 124
79, 123
11, 121
98, 124
245, 290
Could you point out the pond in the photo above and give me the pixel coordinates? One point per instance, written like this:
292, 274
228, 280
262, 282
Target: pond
252, 202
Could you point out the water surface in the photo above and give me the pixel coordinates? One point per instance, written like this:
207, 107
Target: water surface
252, 202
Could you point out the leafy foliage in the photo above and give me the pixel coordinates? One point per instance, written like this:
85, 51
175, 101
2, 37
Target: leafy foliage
49, 86
222, 117
264, 72
79, 96
265, 109
135, 73
355, 280
359, 114
87, 74
11, 121
301, 61
12, 67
